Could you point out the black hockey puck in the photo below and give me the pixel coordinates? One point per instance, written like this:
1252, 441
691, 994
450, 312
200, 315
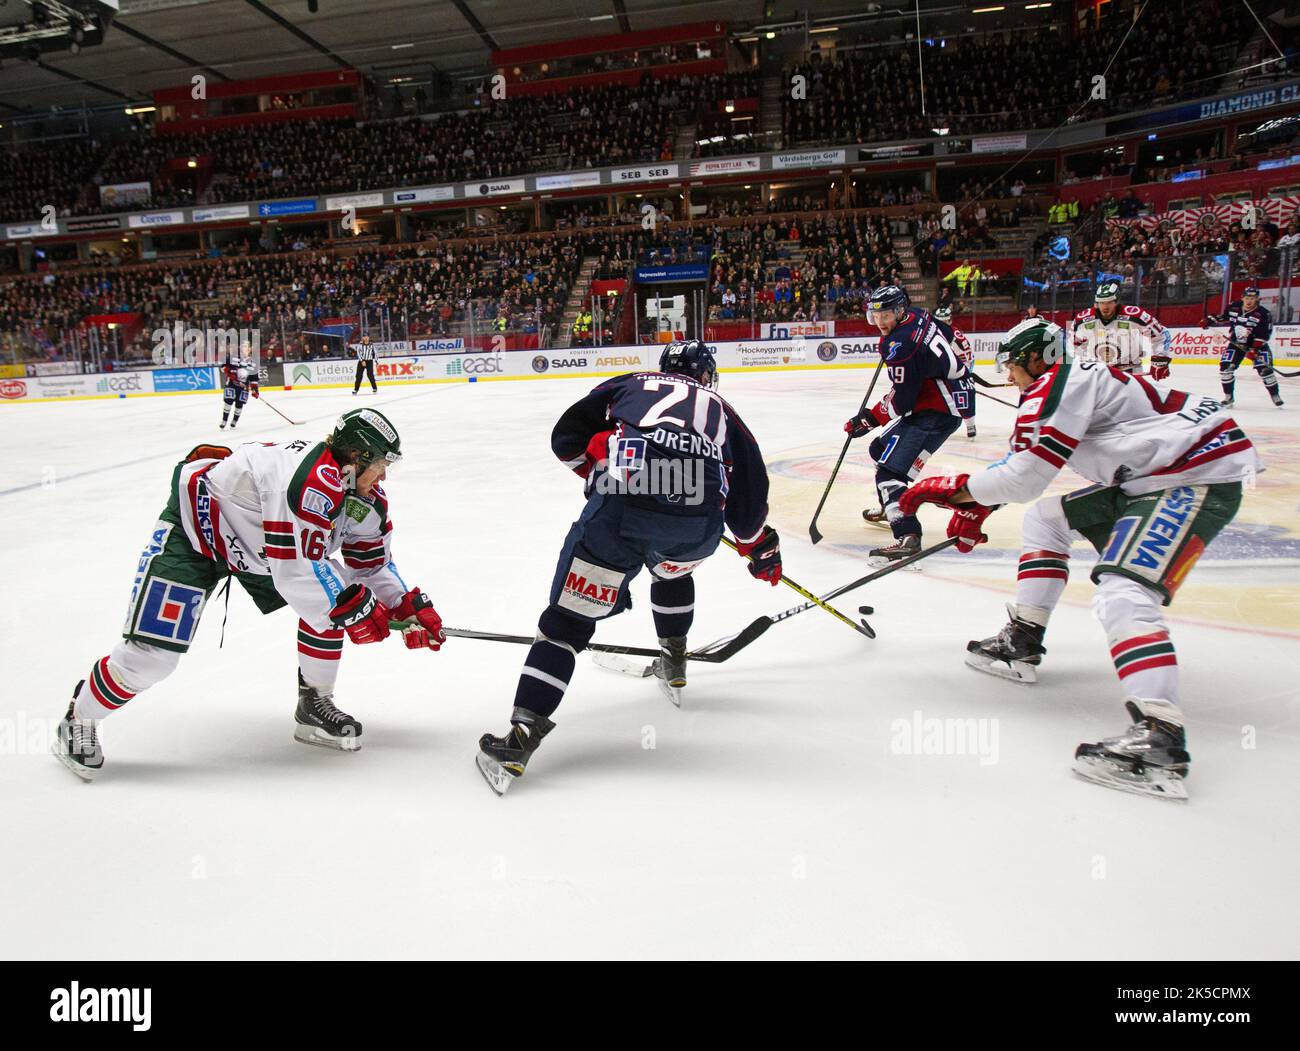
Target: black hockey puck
866, 611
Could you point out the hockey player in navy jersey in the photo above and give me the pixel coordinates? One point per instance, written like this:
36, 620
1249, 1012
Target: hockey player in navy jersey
931, 393
667, 463
1249, 326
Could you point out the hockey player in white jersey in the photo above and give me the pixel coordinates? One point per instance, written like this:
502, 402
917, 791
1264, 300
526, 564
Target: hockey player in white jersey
1120, 336
1168, 468
271, 516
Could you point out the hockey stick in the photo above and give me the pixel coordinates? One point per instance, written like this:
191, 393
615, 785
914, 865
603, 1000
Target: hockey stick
813, 531
862, 629
990, 397
714, 653
282, 416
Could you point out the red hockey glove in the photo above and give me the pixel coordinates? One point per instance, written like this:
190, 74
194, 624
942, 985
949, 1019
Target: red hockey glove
937, 489
1160, 366
360, 614
256, 392
965, 525
207, 452
764, 556
597, 450
426, 632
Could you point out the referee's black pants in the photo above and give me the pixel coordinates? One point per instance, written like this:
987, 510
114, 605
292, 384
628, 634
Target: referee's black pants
365, 368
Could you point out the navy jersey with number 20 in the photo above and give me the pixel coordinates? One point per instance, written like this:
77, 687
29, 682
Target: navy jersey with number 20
665, 422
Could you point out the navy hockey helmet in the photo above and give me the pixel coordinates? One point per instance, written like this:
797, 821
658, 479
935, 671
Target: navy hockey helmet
690, 357
1250, 290
889, 297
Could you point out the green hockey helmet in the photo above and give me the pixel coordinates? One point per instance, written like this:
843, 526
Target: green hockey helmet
369, 434
1107, 292
1034, 335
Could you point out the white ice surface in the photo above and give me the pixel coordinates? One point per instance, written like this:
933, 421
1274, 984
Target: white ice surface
773, 815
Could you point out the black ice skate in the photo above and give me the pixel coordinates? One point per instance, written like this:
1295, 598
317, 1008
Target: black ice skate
670, 668
320, 723
1276, 395
1013, 653
1226, 403
502, 759
903, 547
1149, 759
876, 517
76, 744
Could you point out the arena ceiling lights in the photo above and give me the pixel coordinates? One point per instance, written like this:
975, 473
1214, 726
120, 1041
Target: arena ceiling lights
32, 28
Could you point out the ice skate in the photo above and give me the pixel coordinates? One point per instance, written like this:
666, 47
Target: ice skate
903, 547
322, 724
1227, 403
1276, 395
875, 518
1013, 653
77, 743
669, 668
501, 760
1149, 759
970, 430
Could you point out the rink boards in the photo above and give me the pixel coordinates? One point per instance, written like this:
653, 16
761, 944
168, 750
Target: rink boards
1190, 346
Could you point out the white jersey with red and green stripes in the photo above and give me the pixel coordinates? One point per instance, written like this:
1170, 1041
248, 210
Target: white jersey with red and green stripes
281, 510
1114, 428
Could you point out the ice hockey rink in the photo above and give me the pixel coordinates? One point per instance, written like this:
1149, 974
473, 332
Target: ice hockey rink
797, 804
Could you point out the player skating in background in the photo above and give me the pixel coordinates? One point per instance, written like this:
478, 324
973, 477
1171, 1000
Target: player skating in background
1169, 468
1249, 327
238, 380
964, 351
365, 365
1120, 336
271, 516
629, 431
930, 395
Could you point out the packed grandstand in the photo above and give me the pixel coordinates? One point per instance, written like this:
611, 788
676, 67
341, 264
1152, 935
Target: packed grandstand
561, 194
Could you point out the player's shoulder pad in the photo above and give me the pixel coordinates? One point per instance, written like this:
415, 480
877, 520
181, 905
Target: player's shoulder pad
1083, 315
1137, 312
316, 489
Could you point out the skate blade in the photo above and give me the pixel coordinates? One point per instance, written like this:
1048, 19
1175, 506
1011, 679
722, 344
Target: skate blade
313, 736
881, 562
673, 693
1156, 784
498, 777
1015, 671
86, 773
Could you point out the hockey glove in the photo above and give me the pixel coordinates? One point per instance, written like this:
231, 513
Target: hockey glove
255, 391
861, 425
764, 556
937, 489
360, 614
596, 451
426, 632
965, 525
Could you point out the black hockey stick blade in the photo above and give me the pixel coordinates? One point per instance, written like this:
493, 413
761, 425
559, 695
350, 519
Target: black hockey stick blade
867, 629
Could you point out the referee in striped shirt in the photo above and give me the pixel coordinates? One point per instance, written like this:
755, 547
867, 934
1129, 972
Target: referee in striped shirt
365, 365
